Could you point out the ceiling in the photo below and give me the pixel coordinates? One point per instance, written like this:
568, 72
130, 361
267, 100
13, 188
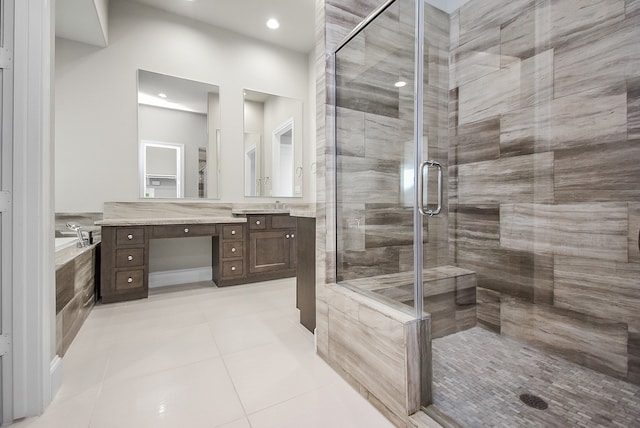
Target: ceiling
247, 17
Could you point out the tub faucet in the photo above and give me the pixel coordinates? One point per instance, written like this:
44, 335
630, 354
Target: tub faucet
82, 242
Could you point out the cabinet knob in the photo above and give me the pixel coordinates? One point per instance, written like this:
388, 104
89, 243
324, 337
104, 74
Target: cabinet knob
186, 230
286, 236
233, 250
130, 257
293, 236
130, 280
233, 232
130, 236
257, 221
233, 268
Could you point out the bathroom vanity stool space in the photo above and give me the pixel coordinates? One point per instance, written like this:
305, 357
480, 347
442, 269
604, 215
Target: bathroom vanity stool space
244, 250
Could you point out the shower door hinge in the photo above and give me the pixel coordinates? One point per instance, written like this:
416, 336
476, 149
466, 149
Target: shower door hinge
5, 201
5, 344
6, 58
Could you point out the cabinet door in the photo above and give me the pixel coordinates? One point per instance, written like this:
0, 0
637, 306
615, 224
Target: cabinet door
269, 251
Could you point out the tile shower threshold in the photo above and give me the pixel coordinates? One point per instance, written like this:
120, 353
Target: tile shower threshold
479, 377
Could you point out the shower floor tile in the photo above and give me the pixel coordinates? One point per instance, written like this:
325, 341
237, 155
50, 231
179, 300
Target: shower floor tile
479, 377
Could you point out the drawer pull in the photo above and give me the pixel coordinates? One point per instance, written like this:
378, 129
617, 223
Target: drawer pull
257, 221
286, 236
293, 236
233, 250
233, 232
130, 280
186, 230
233, 268
130, 257
129, 237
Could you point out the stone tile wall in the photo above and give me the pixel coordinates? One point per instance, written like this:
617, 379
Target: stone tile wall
544, 155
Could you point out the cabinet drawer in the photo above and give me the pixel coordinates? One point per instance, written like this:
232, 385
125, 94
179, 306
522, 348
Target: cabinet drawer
232, 268
183, 230
129, 257
232, 249
283, 222
128, 279
232, 232
130, 236
257, 222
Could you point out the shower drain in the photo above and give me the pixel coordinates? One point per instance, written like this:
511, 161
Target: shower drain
534, 401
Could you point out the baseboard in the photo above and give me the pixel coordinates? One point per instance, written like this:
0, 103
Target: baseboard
181, 276
56, 375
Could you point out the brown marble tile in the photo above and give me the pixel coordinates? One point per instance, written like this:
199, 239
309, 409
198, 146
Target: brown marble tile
589, 341
634, 232
633, 348
476, 17
388, 225
368, 263
368, 180
350, 132
603, 56
609, 290
633, 108
527, 34
588, 118
64, 285
351, 228
516, 179
600, 173
594, 230
475, 142
489, 309
632, 7
476, 58
574, 18
387, 138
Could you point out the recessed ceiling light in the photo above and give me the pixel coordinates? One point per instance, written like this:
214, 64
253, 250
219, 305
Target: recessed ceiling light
162, 95
273, 24
400, 84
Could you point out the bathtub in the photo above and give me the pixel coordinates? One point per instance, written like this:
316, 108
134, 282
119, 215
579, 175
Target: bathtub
65, 242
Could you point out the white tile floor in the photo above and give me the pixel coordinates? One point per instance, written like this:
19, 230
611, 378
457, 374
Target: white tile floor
232, 357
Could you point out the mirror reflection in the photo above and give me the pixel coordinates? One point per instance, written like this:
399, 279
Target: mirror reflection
179, 137
272, 145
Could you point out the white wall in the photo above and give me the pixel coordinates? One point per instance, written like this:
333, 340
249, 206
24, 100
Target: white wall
96, 126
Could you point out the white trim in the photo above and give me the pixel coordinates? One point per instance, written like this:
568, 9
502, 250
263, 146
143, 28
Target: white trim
33, 228
180, 276
56, 373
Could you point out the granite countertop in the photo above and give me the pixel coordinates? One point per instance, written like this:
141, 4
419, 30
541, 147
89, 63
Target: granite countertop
304, 211
168, 221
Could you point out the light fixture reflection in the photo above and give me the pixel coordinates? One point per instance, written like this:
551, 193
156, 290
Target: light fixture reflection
162, 95
400, 84
273, 24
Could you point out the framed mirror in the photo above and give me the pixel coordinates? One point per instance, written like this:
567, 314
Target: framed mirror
179, 137
273, 131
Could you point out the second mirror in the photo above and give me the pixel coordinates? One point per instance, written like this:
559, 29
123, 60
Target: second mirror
272, 145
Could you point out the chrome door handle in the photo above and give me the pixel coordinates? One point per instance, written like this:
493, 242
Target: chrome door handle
421, 205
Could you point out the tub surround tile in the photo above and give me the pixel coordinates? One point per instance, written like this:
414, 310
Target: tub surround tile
592, 342
598, 230
65, 289
609, 290
600, 173
516, 179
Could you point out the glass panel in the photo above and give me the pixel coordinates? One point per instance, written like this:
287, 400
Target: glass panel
375, 118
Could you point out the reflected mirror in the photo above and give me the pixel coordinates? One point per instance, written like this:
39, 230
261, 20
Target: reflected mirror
272, 145
179, 137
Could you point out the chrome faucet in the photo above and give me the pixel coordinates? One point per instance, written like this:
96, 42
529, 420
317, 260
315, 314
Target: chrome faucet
82, 242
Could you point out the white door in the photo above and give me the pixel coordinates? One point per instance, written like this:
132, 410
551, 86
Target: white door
6, 186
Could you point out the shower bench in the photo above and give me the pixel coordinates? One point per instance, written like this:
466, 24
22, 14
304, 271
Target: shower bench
449, 295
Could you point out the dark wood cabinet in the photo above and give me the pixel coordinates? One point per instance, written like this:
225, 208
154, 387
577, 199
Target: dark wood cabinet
271, 246
306, 272
229, 256
125, 264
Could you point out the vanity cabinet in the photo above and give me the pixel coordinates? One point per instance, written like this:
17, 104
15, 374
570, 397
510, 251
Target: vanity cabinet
125, 261
231, 254
271, 246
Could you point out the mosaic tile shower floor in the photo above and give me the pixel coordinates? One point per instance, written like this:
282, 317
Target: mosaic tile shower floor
479, 377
